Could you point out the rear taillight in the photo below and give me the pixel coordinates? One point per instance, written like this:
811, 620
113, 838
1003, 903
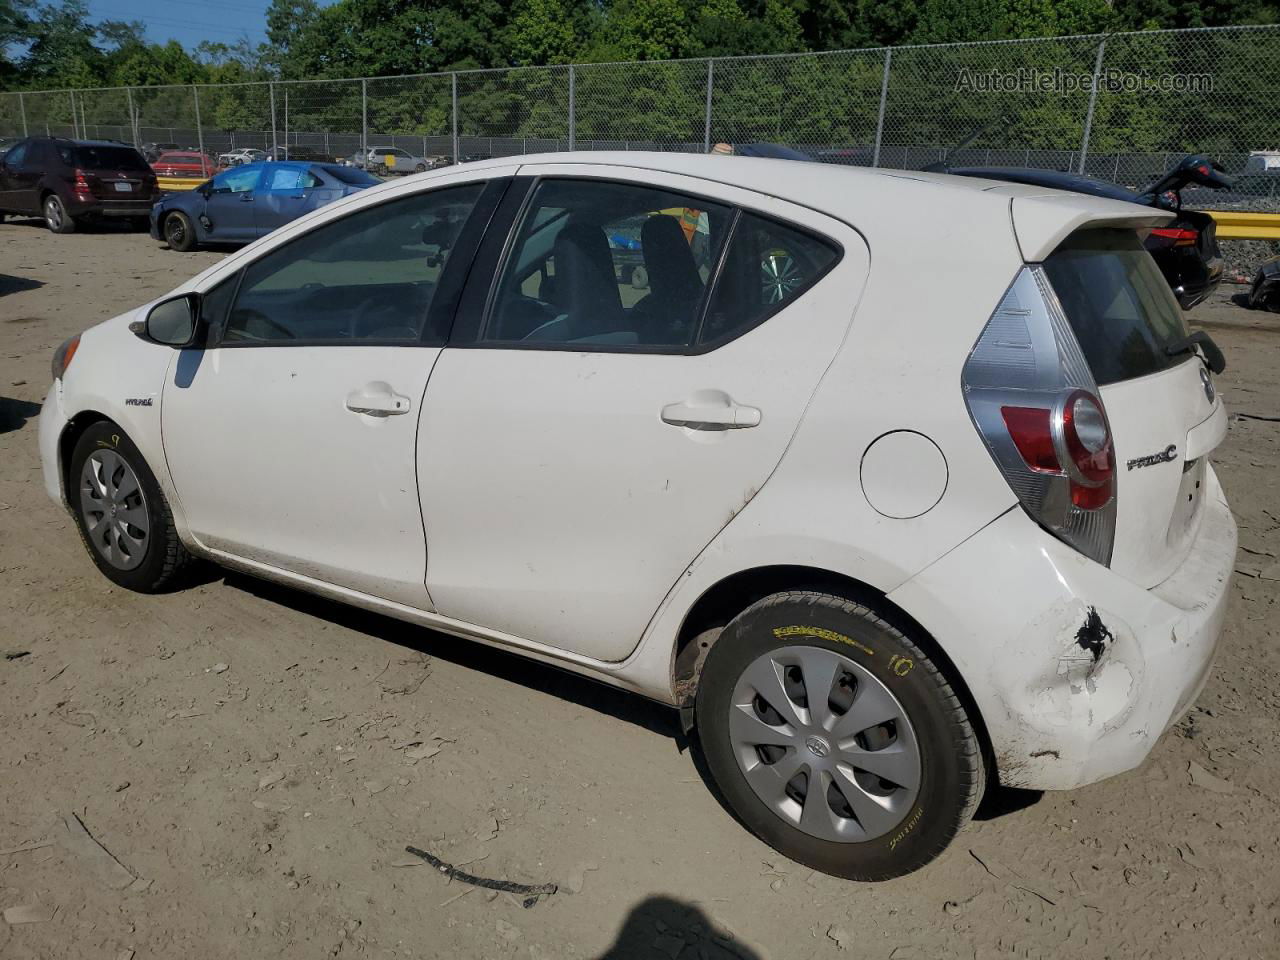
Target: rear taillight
1175, 236
1034, 401
82, 183
1070, 439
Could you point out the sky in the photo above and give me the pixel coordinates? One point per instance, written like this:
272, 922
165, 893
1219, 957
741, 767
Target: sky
189, 21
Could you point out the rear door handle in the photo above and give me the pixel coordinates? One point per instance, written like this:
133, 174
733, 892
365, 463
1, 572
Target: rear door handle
246, 198
711, 410
377, 400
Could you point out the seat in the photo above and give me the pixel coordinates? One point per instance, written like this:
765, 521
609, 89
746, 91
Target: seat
666, 314
586, 288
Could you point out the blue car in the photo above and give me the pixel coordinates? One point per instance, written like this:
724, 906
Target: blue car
247, 202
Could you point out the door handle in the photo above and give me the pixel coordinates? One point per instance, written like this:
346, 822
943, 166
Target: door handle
711, 410
246, 198
377, 400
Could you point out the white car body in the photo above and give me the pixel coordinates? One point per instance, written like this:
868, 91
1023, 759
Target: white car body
535, 500
240, 156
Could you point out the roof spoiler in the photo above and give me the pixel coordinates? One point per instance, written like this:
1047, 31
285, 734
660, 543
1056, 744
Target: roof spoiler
1041, 223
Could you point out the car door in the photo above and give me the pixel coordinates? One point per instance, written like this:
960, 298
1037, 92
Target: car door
290, 437
286, 192
621, 395
229, 204
10, 164
22, 174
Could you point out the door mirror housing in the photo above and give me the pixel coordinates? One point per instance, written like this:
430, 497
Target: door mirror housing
171, 323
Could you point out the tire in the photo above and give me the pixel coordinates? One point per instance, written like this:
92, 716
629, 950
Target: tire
179, 232
56, 217
922, 739
420, 168
133, 541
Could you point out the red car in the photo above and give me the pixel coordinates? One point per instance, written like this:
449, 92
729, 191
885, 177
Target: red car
184, 163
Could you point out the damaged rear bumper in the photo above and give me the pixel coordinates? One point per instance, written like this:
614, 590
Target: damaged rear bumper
1076, 671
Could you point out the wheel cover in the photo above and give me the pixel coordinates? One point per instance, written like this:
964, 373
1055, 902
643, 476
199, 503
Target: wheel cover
53, 212
175, 230
824, 744
779, 276
114, 510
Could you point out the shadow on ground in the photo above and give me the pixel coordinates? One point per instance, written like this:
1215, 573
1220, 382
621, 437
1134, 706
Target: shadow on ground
473, 656
664, 926
14, 414
11, 284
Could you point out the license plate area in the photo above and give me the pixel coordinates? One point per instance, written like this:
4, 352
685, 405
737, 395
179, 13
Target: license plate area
122, 187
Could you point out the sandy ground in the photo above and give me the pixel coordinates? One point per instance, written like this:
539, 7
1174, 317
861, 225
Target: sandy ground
248, 754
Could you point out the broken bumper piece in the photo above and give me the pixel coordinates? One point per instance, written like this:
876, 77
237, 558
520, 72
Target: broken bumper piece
1075, 670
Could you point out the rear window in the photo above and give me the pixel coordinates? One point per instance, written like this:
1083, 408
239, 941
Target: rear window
352, 175
1117, 302
104, 158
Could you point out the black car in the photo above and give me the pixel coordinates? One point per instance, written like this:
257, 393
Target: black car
1186, 248
76, 181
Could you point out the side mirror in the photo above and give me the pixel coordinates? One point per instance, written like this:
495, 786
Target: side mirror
171, 323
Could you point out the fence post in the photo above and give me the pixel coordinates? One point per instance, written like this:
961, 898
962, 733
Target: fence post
884, 100
453, 86
573, 126
195, 97
364, 124
271, 90
133, 119
22, 107
706, 124
286, 121
75, 131
1093, 100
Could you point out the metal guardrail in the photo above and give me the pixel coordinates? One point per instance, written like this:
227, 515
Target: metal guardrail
1236, 225
175, 184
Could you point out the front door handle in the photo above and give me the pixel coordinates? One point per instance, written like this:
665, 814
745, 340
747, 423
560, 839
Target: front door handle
246, 198
711, 410
377, 400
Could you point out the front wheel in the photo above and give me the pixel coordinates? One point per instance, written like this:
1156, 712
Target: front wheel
56, 216
179, 232
121, 512
835, 738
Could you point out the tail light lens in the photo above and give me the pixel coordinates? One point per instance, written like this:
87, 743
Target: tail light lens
1033, 399
62, 356
82, 182
1175, 236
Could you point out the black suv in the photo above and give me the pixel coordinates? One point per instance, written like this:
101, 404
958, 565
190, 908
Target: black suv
76, 181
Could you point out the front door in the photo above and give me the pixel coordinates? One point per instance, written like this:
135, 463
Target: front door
614, 408
290, 440
229, 205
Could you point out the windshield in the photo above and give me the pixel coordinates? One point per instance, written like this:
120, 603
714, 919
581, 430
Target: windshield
1118, 304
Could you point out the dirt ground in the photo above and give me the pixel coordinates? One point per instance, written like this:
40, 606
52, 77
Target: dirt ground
256, 761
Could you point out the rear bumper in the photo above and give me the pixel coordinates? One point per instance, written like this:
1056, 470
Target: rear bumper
113, 208
1076, 671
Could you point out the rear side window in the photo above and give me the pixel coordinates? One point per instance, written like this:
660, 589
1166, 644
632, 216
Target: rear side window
1117, 302
767, 266
104, 158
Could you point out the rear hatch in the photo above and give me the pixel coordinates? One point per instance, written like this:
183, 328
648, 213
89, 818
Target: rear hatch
1163, 410
114, 173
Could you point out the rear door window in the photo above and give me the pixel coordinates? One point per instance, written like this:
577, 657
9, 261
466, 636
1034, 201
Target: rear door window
1118, 303
768, 265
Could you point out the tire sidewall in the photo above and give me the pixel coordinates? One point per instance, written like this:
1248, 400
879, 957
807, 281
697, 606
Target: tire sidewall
188, 232
65, 224
106, 435
943, 801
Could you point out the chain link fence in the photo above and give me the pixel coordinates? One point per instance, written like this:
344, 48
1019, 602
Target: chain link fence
1123, 107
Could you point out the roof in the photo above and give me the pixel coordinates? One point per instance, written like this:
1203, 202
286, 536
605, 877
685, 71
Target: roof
1055, 179
880, 202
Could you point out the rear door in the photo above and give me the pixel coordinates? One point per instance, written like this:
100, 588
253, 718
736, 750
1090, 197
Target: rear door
286, 192
622, 395
1165, 415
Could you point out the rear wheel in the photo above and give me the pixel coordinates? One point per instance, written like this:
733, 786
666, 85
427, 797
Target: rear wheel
420, 168
835, 738
121, 512
179, 233
56, 216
